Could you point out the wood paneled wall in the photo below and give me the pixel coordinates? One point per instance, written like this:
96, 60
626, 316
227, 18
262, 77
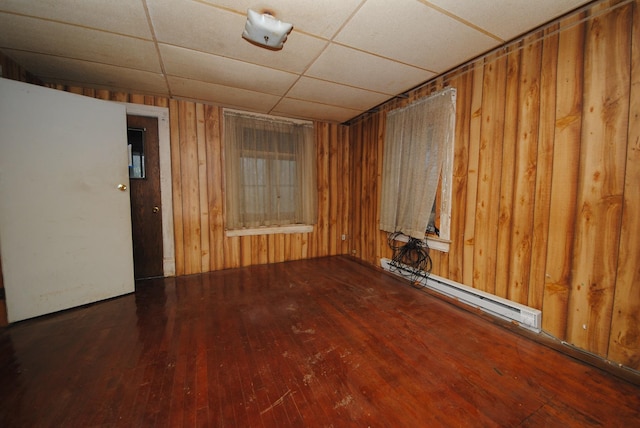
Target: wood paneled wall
546, 196
198, 195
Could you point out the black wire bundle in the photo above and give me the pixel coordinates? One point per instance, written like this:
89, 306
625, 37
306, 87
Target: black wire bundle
414, 254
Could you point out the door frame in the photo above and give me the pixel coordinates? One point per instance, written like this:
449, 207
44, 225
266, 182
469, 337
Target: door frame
166, 196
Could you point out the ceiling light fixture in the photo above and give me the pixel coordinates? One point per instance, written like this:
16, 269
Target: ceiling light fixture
265, 30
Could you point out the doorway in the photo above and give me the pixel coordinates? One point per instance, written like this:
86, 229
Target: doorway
162, 115
145, 193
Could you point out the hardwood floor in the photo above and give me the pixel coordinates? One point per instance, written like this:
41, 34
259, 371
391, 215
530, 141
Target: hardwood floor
316, 343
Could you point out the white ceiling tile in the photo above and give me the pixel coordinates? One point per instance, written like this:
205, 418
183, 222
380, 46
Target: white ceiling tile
508, 18
222, 95
36, 35
118, 16
196, 25
65, 70
335, 94
305, 109
322, 18
224, 71
362, 70
219, 31
342, 58
413, 33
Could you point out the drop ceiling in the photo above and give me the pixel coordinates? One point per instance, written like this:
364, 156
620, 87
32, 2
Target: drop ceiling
342, 58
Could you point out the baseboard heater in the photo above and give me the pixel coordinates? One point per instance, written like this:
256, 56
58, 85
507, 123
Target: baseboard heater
524, 316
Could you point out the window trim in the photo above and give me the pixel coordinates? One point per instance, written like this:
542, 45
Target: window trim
267, 230
441, 243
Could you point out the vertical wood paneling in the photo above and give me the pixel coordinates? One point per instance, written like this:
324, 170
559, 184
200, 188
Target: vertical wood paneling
601, 181
489, 173
367, 181
624, 342
475, 127
189, 177
118, 96
464, 85
281, 255
215, 186
271, 248
373, 241
176, 187
381, 246
361, 172
232, 252
545, 178
544, 167
205, 258
333, 174
356, 185
324, 200
75, 90
245, 251
11, 70
262, 247
507, 179
103, 94
566, 152
344, 178
525, 170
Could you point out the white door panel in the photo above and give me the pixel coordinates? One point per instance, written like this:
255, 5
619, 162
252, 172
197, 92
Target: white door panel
65, 228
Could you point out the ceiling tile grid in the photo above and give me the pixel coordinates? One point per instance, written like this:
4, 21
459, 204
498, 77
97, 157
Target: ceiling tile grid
424, 37
342, 58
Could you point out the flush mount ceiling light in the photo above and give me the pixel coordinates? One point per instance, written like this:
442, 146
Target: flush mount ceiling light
265, 30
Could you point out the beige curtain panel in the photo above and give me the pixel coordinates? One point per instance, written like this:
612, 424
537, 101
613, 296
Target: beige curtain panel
269, 172
415, 139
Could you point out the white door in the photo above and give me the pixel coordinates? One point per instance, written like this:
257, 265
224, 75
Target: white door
65, 227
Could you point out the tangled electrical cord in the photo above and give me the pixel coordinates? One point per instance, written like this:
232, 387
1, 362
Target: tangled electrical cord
413, 253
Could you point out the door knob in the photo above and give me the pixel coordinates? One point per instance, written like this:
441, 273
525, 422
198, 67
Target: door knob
156, 209
122, 187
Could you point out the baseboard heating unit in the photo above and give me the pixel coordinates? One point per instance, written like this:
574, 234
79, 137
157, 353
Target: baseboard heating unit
525, 316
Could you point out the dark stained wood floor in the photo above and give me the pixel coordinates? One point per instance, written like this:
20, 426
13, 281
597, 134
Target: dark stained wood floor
317, 343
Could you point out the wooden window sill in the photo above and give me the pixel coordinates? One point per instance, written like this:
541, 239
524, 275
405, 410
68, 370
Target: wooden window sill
297, 228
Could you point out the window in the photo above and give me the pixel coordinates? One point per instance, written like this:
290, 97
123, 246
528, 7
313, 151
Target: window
417, 168
270, 171
135, 145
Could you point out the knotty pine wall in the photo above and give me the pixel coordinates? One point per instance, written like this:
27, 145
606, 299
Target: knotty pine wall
546, 182
198, 195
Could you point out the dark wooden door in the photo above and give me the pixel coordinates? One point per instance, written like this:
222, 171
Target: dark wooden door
146, 208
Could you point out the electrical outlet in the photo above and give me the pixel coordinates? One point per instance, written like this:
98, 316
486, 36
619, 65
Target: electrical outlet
344, 237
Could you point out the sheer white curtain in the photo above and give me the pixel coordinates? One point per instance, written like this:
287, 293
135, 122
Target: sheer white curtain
270, 171
415, 139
